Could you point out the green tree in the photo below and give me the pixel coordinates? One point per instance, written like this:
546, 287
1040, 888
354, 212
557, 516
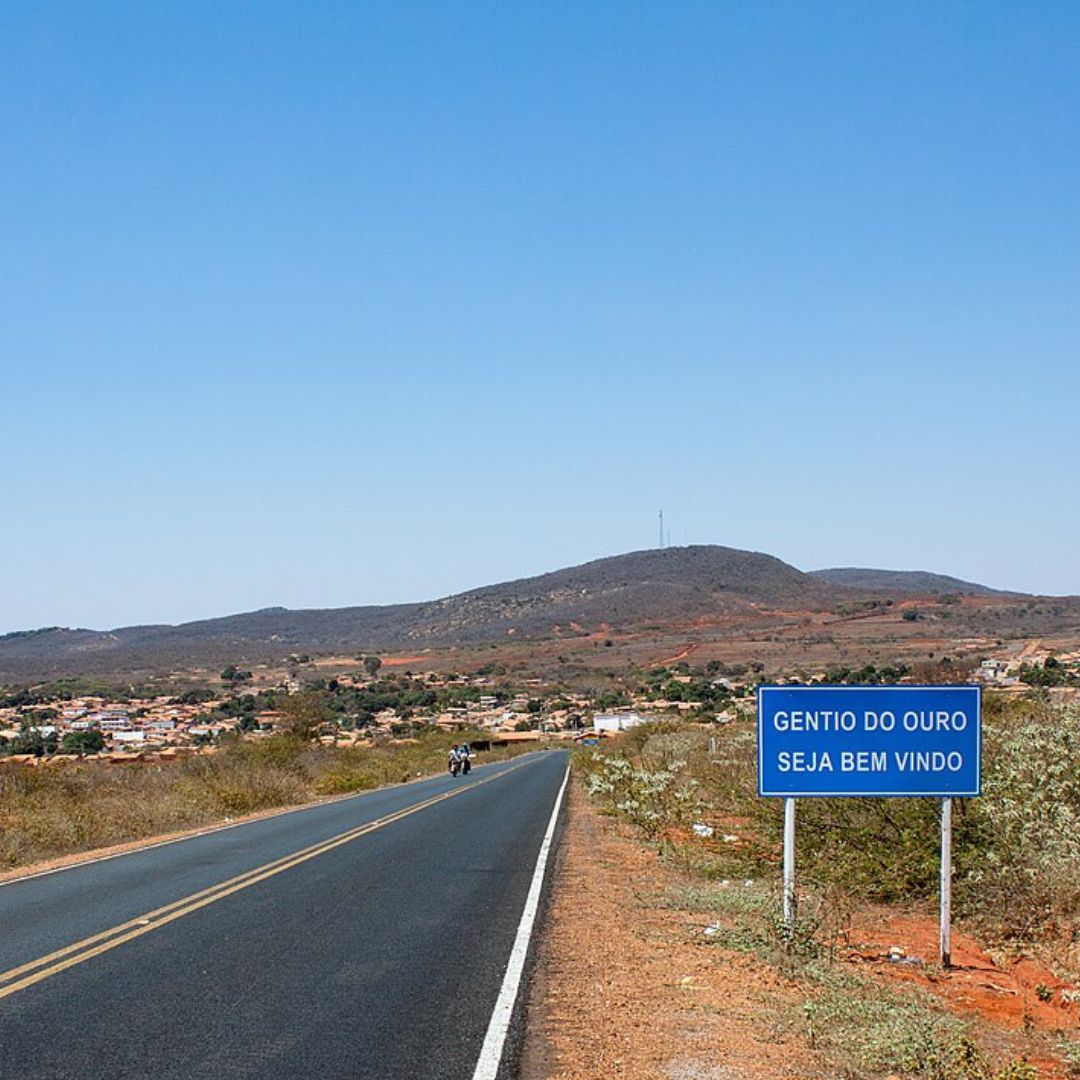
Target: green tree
83, 742
247, 721
372, 665
31, 741
234, 676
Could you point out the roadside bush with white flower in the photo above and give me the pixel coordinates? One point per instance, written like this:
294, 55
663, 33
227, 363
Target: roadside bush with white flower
1025, 876
651, 799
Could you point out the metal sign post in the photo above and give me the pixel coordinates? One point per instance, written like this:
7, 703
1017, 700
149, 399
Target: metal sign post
946, 882
789, 865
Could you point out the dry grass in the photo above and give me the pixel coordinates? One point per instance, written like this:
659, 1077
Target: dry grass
47, 812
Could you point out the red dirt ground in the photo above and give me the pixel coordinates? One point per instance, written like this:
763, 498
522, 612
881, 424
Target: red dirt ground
975, 985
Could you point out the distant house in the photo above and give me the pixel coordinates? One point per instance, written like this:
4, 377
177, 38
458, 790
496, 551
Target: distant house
115, 725
617, 721
128, 738
991, 671
503, 738
111, 719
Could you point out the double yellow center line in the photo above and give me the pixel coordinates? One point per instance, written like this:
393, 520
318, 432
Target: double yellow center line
19, 978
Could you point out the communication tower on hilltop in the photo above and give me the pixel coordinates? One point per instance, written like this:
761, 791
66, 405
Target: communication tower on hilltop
661, 528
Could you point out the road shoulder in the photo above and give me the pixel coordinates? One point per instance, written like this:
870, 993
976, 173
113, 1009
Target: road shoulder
624, 988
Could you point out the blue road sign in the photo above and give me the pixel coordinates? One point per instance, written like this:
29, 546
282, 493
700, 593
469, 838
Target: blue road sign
869, 740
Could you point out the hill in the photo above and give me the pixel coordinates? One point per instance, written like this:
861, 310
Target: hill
903, 581
624, 591
671, 589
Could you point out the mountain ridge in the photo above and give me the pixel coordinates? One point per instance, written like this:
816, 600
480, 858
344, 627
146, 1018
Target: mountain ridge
916, 581
621, 593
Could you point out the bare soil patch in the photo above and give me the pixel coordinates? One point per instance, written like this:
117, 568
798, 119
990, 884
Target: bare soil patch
1018, 996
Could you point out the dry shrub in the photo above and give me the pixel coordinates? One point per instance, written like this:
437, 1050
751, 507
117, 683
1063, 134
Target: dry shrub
1026, 879
231, 784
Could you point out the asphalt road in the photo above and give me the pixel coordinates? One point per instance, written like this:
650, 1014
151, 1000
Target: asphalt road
363, 938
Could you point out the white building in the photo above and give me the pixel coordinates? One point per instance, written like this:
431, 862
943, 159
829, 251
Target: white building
128, 738
617, 721
114, 723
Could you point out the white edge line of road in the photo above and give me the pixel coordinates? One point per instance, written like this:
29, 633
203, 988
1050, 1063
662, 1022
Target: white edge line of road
223, 828
487, 1066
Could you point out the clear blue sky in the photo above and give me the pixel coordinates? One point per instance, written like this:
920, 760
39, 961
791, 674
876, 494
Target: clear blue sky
319, 304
